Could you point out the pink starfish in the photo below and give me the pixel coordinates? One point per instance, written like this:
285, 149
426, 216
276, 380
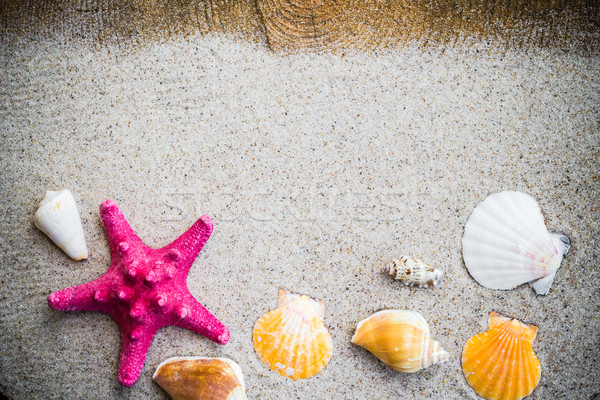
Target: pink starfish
144, 289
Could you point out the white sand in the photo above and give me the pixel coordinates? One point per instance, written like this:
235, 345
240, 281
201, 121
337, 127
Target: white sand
316, 170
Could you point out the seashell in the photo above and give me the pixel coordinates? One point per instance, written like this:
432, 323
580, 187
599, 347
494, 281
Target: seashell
401, 339
506, 244
201, 378
413, 271
292, 339
500, 363
58, 218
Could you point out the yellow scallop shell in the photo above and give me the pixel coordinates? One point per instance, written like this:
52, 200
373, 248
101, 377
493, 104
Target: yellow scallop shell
292, 339
500, 364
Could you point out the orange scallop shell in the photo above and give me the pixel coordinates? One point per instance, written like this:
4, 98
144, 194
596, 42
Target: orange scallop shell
500, 364
292, 339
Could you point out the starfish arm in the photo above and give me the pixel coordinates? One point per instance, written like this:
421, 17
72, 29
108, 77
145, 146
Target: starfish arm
76, 298
117, 228
187, 246
135, 342
198, 319
144, 289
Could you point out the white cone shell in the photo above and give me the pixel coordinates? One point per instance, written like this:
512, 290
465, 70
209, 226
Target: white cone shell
58, 218
506, 243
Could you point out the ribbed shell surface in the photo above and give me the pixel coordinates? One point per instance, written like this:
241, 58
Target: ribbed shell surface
500, 363
292, 339
506, 242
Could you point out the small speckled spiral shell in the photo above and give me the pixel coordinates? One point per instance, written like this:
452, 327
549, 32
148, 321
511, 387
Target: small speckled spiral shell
413, 271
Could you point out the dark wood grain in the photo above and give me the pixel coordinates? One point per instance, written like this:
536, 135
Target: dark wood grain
292, 25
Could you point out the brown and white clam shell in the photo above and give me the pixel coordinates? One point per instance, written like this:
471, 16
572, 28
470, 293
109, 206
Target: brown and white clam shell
187, 378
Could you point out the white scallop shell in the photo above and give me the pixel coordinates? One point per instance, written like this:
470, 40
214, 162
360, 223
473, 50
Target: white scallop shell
506, 244
58, 218
413, 271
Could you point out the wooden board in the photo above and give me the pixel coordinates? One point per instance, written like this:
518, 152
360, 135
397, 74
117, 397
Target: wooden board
292, 25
